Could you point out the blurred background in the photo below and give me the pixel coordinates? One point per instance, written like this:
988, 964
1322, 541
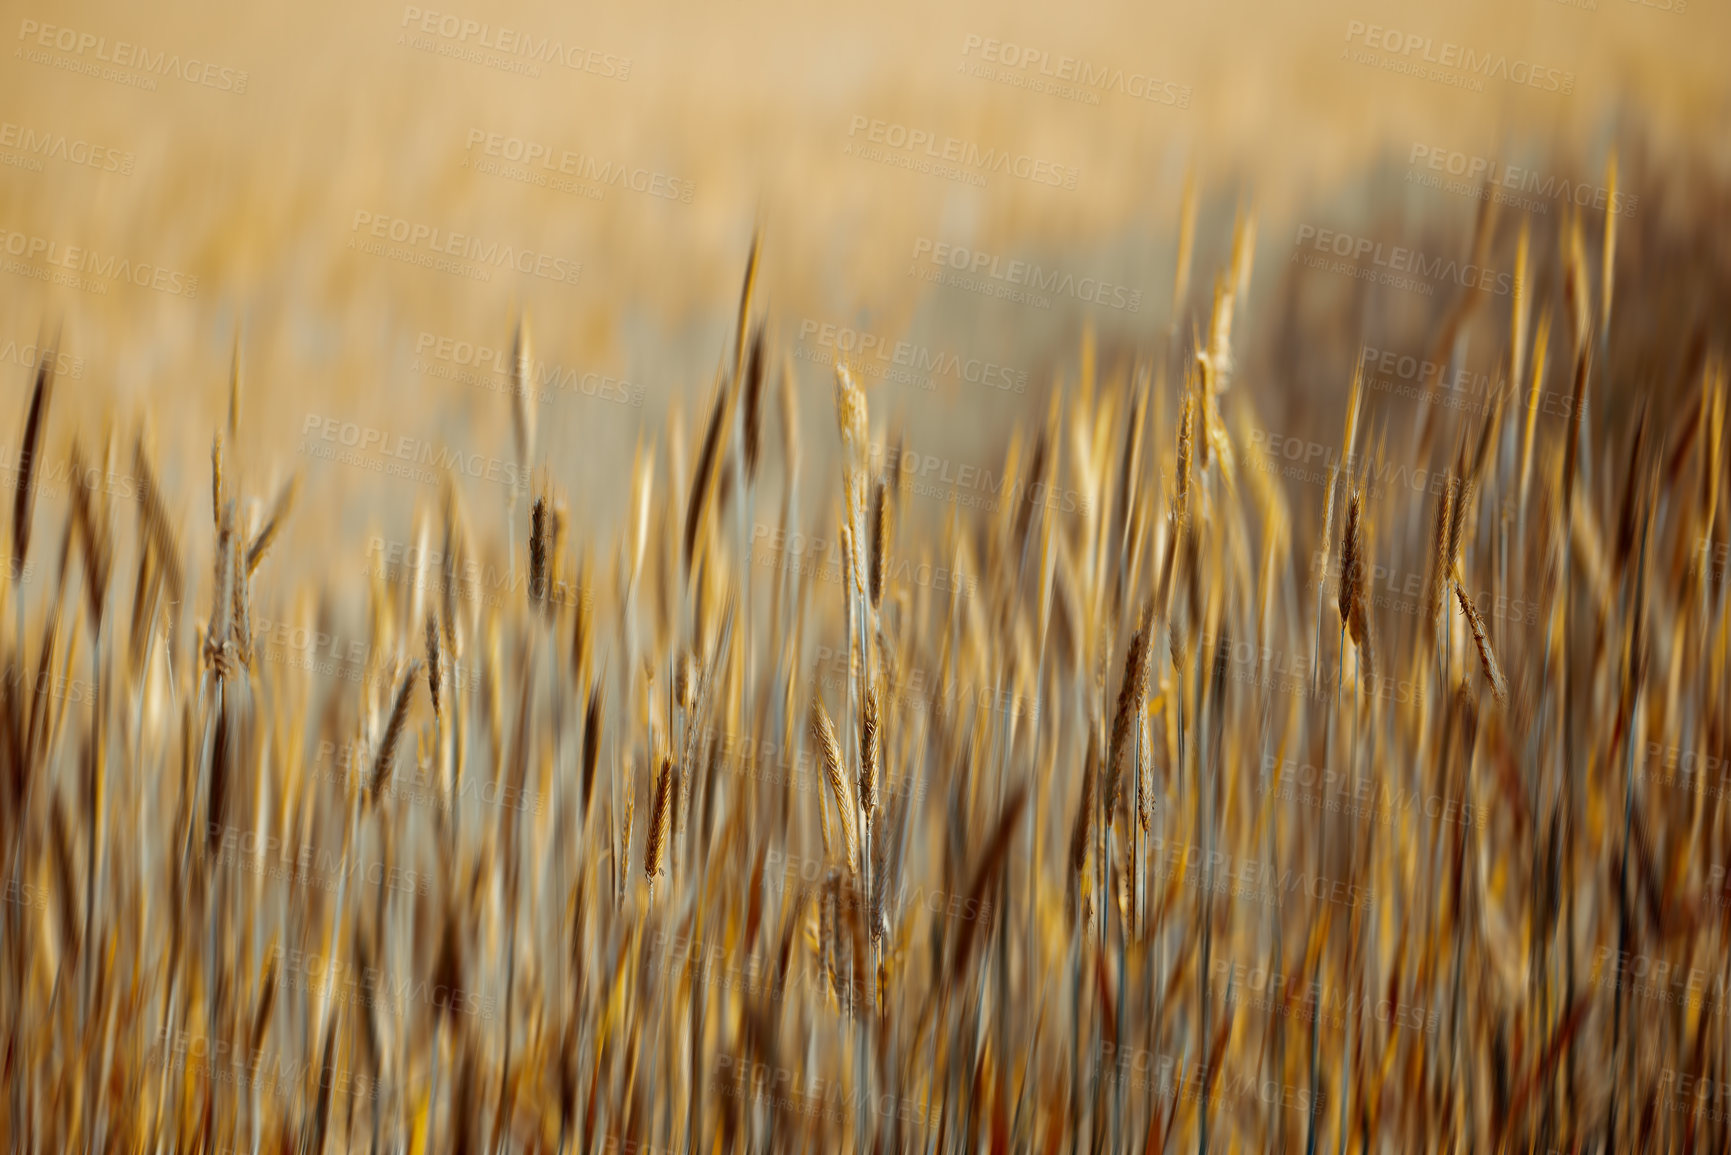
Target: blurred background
369, 194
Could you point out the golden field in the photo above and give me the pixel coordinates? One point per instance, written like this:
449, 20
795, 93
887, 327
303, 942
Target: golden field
800, 579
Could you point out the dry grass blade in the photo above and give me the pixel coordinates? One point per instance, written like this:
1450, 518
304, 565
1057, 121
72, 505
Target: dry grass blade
240, 605
754, 374
703, 477
399, 716
522, 392
279, 511
159, 528
222, 592
1186, 439
92, 536
1081, 832
35, 418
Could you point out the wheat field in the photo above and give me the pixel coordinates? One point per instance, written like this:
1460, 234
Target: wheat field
1163, 630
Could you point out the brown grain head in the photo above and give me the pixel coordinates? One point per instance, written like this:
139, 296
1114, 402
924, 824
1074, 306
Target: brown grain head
660, 819
829, 748
35, 419
870, 751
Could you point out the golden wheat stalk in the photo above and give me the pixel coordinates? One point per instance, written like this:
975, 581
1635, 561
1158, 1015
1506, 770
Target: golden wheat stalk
829, 747
1351, 541
1186, 439
435, 669
399, 716
241, 605
538, 535
1487, 657
882, 527
1132, 688
92, 528
1436, 590
660, 819
870, 752
1082, 830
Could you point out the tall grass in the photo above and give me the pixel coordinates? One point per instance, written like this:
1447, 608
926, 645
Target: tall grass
1031, 873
